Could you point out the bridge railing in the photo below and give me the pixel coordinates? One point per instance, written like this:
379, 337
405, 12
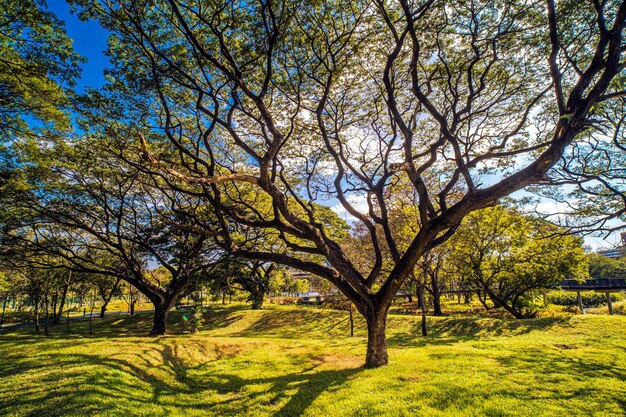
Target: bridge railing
593, 284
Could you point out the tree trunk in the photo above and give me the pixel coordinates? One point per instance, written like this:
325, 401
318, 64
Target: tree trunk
351, 320
423, 308
579, 300
257, 296
376, 339
482, 297
502, 304
91, 318
437, 303
37, 313
46, 330
53, 307
107, 298
59, 314
132, 307
4, 307
159, 325
434, 283
103, 310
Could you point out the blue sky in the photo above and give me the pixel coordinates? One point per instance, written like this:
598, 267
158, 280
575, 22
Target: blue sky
90, 40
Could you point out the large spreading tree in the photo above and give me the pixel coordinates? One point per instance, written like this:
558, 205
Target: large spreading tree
302, 102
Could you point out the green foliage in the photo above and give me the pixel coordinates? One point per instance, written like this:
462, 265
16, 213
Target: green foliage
36, 63
283, 281
195, 319
603, 267
4, 282
589, 299
512, 257
237, 274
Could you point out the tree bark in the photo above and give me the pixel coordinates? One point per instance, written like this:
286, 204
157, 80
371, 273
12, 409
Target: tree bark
46, 329
37, 313
502, 304
376, 339
159, 325
103, 310
351, 320
257, 296
4, 307
434, 281
580, 302
53, 306
423, 308
59, 314
482, 297
107, 299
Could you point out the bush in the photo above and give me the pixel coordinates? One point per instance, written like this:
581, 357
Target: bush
589, 299
284, 300
194, 320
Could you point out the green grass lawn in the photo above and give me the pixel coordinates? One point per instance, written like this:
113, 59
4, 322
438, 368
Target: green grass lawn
289, 361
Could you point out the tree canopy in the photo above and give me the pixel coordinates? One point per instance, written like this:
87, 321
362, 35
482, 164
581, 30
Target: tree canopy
509, 258
37, 63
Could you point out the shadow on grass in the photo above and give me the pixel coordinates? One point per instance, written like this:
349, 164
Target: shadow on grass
137, 325
157, 376
454, 330
403, 331
82, 375
292, 323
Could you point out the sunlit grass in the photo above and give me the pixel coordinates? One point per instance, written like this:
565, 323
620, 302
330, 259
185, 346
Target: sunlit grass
290, 361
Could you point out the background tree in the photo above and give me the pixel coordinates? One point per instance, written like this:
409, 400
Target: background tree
234, 274
4, 291
509, 258
107, 288
284, 281
84, 204
603, 267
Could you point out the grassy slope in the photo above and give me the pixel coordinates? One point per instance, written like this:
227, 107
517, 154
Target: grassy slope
290, 361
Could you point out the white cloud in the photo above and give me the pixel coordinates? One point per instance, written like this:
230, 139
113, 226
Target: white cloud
359, 202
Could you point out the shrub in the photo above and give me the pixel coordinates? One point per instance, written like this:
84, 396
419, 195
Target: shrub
194, 320
285, 300
589, 299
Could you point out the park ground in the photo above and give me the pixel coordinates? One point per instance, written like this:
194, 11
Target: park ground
291, 361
